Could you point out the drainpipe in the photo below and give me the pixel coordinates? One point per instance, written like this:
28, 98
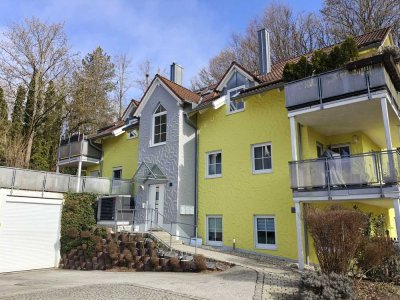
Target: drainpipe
191, 124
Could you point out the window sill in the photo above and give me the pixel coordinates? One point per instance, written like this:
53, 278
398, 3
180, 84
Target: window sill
213, 176
266, 247
156, 145
234, 112
217, 244
257, 172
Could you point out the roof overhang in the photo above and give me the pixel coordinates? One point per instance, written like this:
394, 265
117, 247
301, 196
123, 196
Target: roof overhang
150, 90
232, 69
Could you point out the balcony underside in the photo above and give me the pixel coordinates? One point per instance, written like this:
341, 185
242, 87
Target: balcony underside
73, 161
374, 195
357, 115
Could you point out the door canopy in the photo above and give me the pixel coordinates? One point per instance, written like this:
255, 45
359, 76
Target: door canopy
149, 171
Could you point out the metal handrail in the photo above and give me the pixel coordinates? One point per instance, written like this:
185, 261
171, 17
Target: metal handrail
382, 174
150, 218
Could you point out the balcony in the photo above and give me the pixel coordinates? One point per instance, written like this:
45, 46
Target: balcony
365, 174
76, 147
364, 77
23, 179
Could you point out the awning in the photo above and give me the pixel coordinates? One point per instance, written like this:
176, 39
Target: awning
149, 171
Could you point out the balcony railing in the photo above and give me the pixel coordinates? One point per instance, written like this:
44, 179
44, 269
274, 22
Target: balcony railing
375, 169
23, 179
338, 84
71, 148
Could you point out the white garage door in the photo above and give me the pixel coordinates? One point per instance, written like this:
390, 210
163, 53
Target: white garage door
29, 233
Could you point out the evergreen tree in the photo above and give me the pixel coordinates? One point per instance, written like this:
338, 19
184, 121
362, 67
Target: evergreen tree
3, 109
17, 114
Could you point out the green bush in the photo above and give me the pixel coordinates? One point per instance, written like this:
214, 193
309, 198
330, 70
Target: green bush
323, 286
77, 217
321, 62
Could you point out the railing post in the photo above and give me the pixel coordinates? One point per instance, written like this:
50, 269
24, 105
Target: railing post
151, 220
195, 242
13, 181
44, 184
170, 236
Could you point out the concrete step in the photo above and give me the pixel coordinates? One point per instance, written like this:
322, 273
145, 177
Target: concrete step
166, 238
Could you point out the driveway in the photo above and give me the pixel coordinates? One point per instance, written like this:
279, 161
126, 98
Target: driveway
235, 283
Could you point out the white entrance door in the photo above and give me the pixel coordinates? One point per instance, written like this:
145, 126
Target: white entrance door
156, 204
29, 233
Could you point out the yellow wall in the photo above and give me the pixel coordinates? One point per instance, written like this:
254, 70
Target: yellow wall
122, 152
239, 195
310, 137
118, 151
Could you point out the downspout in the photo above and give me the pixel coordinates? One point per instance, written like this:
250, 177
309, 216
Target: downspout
191, 124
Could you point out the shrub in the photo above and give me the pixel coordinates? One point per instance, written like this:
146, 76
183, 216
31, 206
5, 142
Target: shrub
174, 263
77, 216
323, 286
337, 233
200, 262
378, 259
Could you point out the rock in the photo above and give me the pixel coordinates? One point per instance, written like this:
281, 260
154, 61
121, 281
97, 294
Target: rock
188, 257
221, 266
210, 265
170, 254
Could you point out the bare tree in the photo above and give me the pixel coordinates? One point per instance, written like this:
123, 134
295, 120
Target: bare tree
290, 35
33, 54
349, 17
145, 72
122, 69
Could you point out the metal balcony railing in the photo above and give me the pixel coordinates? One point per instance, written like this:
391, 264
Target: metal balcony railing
360, 170
24, 179
78, 146
338, 84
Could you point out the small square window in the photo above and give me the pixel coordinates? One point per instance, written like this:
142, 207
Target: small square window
214, 164
265, 233
117, 173
262, 158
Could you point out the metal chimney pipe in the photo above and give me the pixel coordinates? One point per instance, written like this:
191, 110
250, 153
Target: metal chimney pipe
264, 51
176, 73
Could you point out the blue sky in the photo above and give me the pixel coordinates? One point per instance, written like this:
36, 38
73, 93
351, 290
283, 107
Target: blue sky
186, 31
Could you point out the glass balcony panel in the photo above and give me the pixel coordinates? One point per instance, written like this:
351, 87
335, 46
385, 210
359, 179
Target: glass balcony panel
29, 180
6, 177
308, 174
57, 182
342, 82
309, 91
96, 185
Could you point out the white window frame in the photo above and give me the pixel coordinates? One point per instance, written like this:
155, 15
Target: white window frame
117, 169
253, 165
132, 137
264, 246
228, 100
153, 144
207, 164
215, 243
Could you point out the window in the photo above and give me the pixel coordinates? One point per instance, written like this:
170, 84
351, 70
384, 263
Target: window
265, 232
235, 105
132, 134
159, 125
343, 150
214, 230
117, 173
262, 158
320, 150
214, 164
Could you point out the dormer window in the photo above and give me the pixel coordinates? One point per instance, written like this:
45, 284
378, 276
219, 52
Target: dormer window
235, 105
159, 125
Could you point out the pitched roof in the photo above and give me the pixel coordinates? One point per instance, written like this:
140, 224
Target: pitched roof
181, 92
107, 130
276, 73
362, 41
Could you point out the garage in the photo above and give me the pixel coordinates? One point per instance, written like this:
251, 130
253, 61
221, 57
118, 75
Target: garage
29, 230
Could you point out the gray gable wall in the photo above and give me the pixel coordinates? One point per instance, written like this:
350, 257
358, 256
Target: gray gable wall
237, 79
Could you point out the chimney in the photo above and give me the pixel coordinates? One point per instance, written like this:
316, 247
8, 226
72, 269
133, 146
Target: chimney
264, 51
176, 73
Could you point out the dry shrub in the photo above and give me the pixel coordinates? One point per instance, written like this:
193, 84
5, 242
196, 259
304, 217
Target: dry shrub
154, 261
174, 263
337, 233
200, 262
377, 257
72, 233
